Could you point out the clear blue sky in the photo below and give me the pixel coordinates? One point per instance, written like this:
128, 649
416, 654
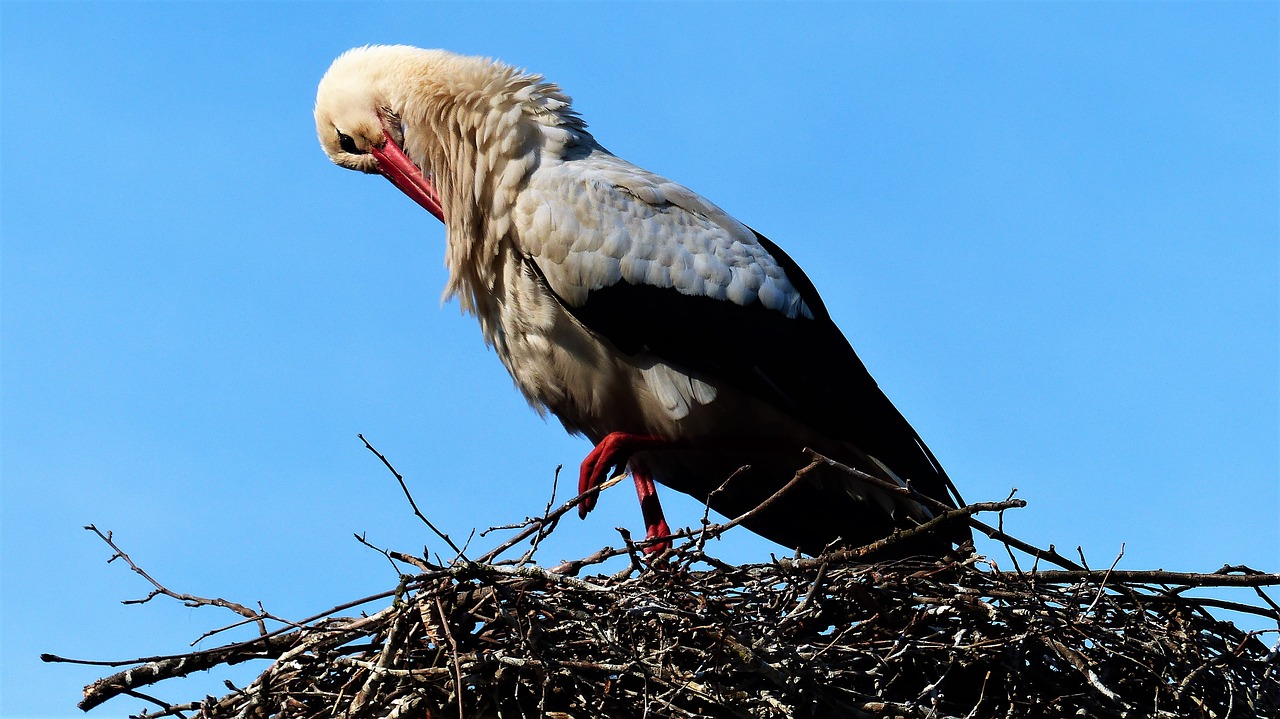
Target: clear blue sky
1049, 230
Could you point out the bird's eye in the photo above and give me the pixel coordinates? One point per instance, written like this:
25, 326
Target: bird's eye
348, 145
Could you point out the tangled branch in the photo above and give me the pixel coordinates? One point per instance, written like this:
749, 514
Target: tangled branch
685, 634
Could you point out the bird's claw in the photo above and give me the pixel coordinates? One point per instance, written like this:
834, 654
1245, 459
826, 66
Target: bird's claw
596, 468
654, 531
610, 455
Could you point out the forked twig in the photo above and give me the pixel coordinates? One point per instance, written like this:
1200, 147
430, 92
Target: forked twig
189, 600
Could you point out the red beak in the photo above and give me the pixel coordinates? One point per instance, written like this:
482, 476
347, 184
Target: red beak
397, 167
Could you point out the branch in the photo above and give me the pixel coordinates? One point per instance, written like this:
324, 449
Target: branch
408, 495
1049, 555
189, 600
1158, 576
880, 545
534, 525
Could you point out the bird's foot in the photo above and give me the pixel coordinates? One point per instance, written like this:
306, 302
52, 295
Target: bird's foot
655, 523
612, 452
655, 531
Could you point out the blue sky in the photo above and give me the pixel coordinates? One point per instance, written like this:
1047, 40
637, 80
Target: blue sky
1049, 230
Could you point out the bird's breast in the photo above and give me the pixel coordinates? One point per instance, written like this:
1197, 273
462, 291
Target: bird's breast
592, 386
559, 365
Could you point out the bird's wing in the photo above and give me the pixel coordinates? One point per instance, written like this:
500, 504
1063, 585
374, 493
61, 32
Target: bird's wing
598, 221
653, 267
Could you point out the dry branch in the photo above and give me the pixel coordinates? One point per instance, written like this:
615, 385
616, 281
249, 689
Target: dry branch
690, 636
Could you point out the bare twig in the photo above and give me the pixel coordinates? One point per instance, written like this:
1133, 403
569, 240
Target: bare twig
800, 476
188, 599
409, 496
1102, 584
537, 524
1159, 576
1049, 555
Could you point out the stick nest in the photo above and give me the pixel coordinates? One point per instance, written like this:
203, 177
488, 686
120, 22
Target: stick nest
686, 635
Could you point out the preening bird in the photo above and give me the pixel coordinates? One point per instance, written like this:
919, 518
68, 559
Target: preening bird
687, 347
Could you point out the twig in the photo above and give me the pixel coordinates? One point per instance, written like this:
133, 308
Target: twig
1157, 576
545, 525
706, 506
188, 599
536, 525
1049, 555
409, 496
1102, 585
880, 545
800, 476
1000, 528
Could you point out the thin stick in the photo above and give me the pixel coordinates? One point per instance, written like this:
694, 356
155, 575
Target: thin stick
800, 476
408, 495
1049, 555
537, 524
188, 599
1158, 576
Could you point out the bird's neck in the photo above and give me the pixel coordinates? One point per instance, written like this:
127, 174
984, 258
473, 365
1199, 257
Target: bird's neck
480, 138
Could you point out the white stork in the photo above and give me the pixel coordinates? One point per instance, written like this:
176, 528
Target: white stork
681, 342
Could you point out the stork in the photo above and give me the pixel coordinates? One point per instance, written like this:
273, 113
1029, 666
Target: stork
687, 347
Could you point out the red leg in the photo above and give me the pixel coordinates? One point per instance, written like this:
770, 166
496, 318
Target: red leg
613, 451
654, 522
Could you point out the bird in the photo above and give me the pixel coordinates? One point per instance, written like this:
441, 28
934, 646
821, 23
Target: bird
687, 347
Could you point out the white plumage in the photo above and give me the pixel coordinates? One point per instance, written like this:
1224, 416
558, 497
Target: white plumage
600, 219
680, 341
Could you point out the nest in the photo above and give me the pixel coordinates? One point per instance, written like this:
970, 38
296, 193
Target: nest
686, 635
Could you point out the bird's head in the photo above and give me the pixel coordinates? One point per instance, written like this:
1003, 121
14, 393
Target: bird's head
459, 135
349, 123
359, 111
442, 125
